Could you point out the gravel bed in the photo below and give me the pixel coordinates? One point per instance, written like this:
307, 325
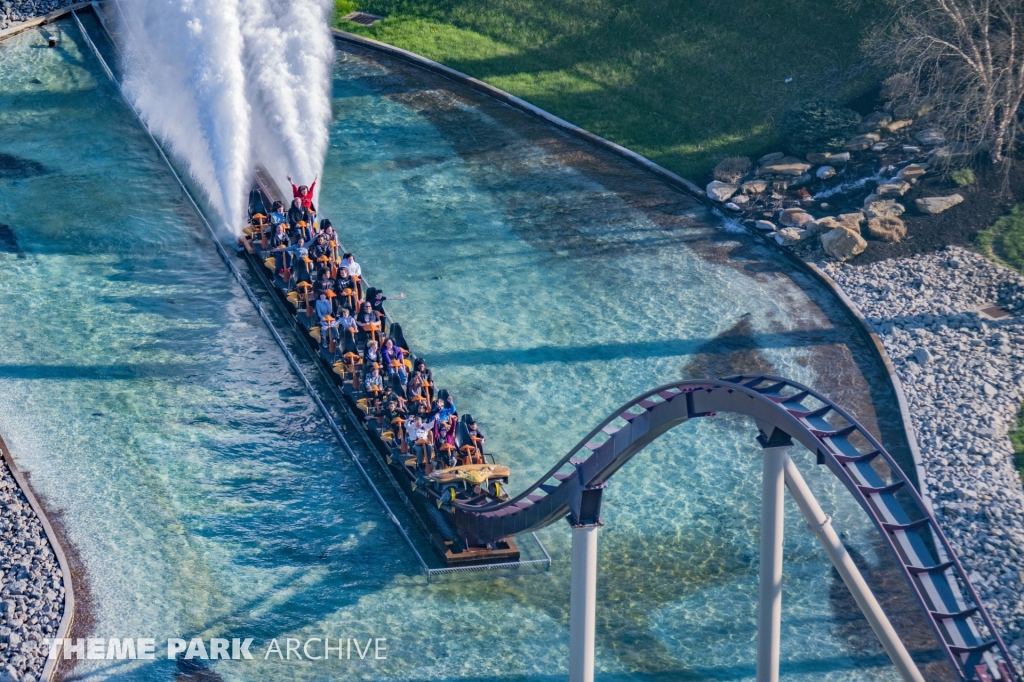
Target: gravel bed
963, 376
31, 586
15, 11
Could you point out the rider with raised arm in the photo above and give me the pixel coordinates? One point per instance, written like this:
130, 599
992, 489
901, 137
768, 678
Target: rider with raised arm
303, 193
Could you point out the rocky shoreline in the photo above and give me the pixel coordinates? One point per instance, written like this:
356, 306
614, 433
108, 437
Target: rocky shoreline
16, 11
952, 324
31, 586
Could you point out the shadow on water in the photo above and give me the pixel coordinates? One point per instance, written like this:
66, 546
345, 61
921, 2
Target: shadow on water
17, 168
193, 670
126, 372
164, 306
735, 351
744, 346
9, 242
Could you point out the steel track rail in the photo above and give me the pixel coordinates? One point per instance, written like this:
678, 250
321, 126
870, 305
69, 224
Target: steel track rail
954, 611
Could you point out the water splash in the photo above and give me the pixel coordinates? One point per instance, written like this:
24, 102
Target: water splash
849, 186
228, 84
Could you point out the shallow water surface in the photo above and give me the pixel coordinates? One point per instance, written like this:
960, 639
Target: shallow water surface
546, 283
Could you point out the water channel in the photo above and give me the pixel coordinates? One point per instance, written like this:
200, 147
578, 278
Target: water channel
546, 282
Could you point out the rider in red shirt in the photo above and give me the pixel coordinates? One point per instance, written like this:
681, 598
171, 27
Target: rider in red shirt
304, 193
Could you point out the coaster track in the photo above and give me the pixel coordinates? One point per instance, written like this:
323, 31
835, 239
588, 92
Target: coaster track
780, 409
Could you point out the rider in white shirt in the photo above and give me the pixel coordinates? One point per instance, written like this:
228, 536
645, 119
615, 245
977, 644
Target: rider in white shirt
348, 261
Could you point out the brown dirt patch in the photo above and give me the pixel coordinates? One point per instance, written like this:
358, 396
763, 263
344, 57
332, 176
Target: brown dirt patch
984, 202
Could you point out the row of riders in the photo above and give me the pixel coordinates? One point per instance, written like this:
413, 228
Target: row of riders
352, 326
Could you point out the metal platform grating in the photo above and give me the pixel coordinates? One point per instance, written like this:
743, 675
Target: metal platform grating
362, 18
992, 312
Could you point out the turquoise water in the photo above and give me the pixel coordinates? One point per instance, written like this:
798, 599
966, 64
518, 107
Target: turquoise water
545, 283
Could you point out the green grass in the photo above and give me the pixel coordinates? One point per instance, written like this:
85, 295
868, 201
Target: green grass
1004, 241
683, 83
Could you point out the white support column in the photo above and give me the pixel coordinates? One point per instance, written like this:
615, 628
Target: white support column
769, 605
821, 526
583, 603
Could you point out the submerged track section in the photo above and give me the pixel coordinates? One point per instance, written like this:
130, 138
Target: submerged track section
784, 411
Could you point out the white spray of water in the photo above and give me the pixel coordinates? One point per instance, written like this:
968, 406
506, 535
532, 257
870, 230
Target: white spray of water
229, 84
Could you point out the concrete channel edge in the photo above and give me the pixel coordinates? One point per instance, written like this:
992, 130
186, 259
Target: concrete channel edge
40, 21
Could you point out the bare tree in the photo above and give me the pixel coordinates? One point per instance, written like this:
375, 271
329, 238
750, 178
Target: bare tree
964, 58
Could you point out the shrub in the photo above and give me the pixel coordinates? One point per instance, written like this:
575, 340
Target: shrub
818, 125
732, 170
887, 229
963, 177
1005, 239
343, 7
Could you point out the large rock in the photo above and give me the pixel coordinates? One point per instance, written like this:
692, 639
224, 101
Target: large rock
911, 172
825, 172
828, 159
842, 243
930, 136
787, 166
862, 142
788, 236
934, 205
852, 221
754, 186
795, 217
922, 356
811, 230
873, 122
888, 229
884, 208
721, 191
849, 221
732, 169
893, 126
893, 188
827, 223
764, 225
768, 158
